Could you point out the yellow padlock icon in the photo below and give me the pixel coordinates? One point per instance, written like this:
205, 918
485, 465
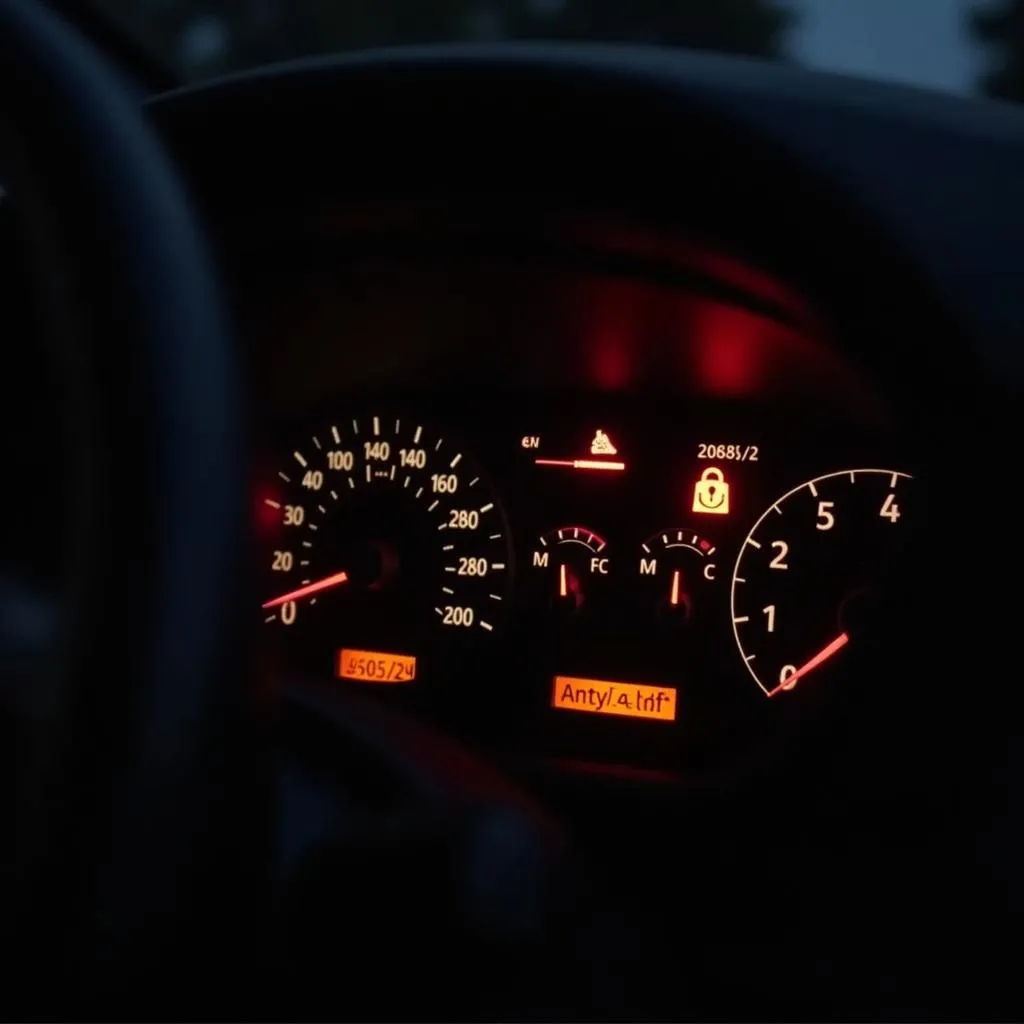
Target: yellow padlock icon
711, 493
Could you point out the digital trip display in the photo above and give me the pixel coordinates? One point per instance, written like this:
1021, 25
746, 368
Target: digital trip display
376, 666
601, 697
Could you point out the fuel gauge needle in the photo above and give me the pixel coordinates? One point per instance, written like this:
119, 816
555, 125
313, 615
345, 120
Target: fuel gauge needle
809, 666
310, 588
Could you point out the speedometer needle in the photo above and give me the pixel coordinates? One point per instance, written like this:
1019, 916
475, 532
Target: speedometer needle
822, 656
309, 588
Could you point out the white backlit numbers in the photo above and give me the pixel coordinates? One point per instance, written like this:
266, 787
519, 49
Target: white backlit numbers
784, 675
890, 510
769, 614
341, 461
781, 549
444, 483
376, 451
294, 515
472, 567
456, 615
288, 612
416, 458
826, 520
283, 561
463, 519
313, 480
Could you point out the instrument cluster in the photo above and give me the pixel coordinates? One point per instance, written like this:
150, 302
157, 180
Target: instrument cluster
577, 576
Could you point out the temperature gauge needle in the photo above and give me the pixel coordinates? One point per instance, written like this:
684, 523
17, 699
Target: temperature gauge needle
822, 656
674, 597
309, 588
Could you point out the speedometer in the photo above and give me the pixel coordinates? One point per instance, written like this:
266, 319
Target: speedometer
810, 570
384, 534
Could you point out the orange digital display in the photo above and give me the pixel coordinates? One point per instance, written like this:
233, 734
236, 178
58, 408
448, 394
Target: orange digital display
375, 666
601, 697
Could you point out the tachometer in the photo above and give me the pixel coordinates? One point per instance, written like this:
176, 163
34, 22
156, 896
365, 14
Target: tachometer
384, 534
808, 572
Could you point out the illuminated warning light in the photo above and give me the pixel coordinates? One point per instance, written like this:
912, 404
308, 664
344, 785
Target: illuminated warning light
602, 445
375, 666
711, 493
598, 464
601, 697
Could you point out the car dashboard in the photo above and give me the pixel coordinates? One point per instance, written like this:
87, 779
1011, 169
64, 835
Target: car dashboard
643, 424
598, 427
629, 546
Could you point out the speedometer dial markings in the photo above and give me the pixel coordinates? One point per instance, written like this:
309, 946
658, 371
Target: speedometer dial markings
809, 573
371, 537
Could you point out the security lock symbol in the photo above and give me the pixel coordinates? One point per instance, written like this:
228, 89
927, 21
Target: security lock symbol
711, 493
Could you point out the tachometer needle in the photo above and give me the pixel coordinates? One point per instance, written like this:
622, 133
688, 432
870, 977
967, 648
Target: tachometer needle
822, 656
309, 588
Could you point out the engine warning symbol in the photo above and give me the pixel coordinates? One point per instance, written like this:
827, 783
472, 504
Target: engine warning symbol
602, 445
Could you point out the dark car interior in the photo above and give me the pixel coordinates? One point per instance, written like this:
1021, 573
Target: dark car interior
508, 532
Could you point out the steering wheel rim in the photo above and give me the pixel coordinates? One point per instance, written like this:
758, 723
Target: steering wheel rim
127, 768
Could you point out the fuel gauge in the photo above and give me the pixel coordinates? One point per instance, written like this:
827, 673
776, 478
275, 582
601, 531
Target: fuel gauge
572, 560
675, 566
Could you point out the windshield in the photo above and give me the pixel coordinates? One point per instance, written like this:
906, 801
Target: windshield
955, 45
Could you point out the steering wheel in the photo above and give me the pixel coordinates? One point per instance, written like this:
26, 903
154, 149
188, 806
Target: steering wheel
126, 771
142, 859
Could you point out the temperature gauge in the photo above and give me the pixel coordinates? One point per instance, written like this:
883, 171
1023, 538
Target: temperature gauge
674, 566
572, 559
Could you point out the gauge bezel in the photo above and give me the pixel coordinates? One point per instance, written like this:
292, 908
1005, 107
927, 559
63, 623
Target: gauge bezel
810, 484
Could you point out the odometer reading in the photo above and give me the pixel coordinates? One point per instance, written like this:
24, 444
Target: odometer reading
376, 666
806, 577
385, 535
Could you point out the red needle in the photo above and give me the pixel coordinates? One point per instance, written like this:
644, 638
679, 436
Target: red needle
823, 655
309, 588
675, 587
